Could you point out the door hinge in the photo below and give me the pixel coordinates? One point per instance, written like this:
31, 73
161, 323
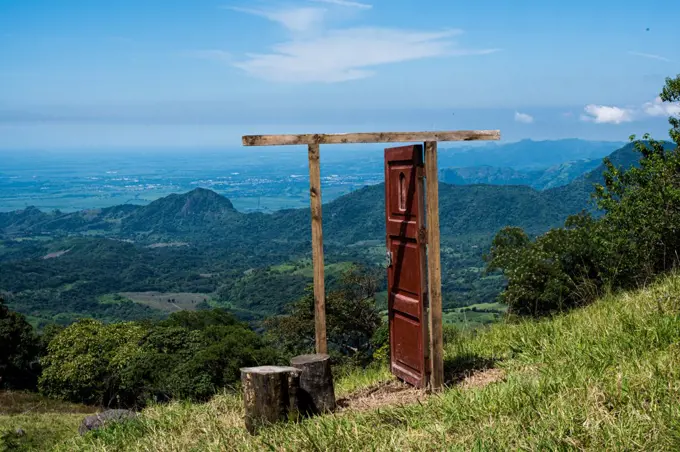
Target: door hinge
388, 257
422, 236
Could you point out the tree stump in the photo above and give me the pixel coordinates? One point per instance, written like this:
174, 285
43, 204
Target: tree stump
317, 394
270, 395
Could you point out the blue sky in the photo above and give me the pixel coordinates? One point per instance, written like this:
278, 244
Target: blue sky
79, 74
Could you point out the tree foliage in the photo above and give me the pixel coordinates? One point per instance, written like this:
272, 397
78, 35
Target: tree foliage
19, 348
636, 237
351, 319
191, 355
84, 361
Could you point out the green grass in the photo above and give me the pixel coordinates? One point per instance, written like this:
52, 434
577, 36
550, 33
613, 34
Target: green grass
178, 301
304, 267
488, 306
46, 422
606, 377
329, 270
469, 319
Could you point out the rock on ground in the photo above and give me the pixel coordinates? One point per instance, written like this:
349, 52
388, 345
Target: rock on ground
97, 421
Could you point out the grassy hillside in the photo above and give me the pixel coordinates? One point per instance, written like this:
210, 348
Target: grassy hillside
606, 377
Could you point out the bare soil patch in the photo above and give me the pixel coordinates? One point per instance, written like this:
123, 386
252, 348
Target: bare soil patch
386, 394
396, 393
482, 378
55, 254
167, 244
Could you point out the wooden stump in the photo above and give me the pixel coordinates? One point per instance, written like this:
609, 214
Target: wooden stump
270, 394
317, 394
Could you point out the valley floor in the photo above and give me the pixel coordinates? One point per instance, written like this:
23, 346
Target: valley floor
606, 377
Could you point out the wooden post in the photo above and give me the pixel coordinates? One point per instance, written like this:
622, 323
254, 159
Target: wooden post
434, 277
317, 248
270, 394
316, 394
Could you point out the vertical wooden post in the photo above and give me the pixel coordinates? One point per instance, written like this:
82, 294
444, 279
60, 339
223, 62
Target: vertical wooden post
317, 248
434, 278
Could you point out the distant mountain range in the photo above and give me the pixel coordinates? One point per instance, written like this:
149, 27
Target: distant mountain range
56, 263
554, 176
538, 164
527, 155
475, 206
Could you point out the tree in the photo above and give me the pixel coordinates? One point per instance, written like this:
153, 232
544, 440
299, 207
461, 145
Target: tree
351, 319
19, 348
84, 362
559, 270
191, 355
636, 238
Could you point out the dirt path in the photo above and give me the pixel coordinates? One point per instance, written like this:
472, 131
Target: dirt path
396, 393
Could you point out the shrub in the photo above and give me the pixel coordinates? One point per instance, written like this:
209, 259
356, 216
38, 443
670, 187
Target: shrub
352, 319
19, 348
191, 356
636, 238
84, 361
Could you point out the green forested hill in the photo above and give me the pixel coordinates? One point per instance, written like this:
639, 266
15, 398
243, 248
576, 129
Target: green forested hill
57, 265
551, 177
203, 215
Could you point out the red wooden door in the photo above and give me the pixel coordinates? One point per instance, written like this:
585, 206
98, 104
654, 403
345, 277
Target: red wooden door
406, 284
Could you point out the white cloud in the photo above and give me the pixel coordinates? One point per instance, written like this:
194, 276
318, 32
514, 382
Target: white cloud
602, 114
315, 53
350, 54
345, 3
524, 118
650, 56
660, 108
295, 19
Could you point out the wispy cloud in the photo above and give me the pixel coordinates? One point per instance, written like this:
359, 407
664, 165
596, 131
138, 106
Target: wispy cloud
294, 19
660, 108
315, 53
345, 3
523, 118
350, 54
602, 114
650, 56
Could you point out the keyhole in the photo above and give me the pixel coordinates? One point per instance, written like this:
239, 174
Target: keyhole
402, 192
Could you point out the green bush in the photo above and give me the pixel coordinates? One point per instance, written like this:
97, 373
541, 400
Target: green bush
636, 238
561, 269
84, 361
19, 348
190, 356
352, 319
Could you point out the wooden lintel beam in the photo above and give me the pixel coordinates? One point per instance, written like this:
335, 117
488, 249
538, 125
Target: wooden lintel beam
378, 137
